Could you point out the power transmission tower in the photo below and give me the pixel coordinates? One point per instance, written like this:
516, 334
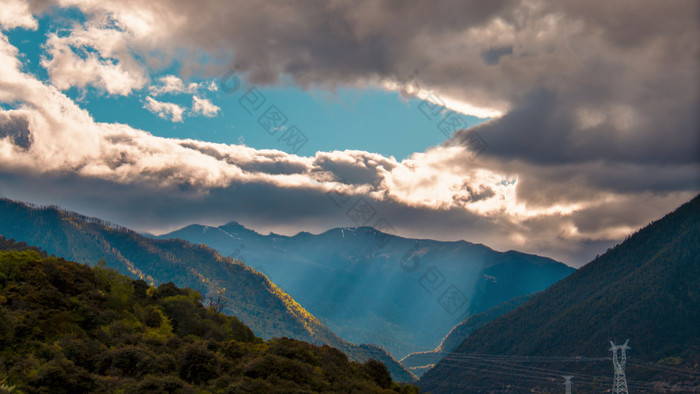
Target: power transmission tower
567, 384
620, 382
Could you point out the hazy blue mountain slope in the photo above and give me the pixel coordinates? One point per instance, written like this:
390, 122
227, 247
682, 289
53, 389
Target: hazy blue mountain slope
421, 362
371, 287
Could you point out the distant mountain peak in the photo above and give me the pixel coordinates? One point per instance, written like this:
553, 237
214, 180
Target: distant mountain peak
374, 287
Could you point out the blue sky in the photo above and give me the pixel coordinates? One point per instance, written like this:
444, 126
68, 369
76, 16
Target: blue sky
370, 119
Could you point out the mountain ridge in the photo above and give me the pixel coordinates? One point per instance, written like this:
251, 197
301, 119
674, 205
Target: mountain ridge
374, 287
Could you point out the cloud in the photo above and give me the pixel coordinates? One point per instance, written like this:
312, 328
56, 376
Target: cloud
173, 85
596, 105
170, 111
15, 128
16, 13
204, 107
97, 54
350, 42
605, 79
175, 113
170, 84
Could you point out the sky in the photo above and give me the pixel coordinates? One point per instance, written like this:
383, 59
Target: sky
549, 127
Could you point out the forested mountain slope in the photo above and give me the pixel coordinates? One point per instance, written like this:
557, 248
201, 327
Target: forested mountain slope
69, 328
647, 290
250, 296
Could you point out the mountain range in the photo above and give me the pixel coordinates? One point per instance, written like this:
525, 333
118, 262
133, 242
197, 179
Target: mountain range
372, 287
645, 290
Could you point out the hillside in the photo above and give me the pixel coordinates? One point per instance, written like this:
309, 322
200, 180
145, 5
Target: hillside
250, 296
646, 290
373, 287
69, 328
421, 362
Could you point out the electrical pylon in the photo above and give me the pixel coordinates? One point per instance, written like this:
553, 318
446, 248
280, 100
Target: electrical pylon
620, 382
567, 384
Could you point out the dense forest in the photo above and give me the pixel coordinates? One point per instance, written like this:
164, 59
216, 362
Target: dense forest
70, 328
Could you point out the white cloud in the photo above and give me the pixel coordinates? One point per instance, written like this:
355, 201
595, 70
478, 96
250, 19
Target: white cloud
170, 111
175, 113
95, 55
56, 123
413, 89
171, 84
16, 13
204, 107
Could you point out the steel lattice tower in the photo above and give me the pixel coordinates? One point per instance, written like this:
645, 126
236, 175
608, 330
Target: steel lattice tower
567, 384
620, 382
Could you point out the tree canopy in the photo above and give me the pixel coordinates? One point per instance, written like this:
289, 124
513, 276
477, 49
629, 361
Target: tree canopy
68, 327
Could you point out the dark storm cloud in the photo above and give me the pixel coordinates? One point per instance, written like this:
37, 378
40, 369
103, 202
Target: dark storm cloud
493, 55
16, 128
578, 82
327, 43
584, 81
543, 129
541, 185
353, 167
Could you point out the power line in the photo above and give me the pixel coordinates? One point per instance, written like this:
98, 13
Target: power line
577, 359
504, 365
495, 364
540, 375
665, 368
